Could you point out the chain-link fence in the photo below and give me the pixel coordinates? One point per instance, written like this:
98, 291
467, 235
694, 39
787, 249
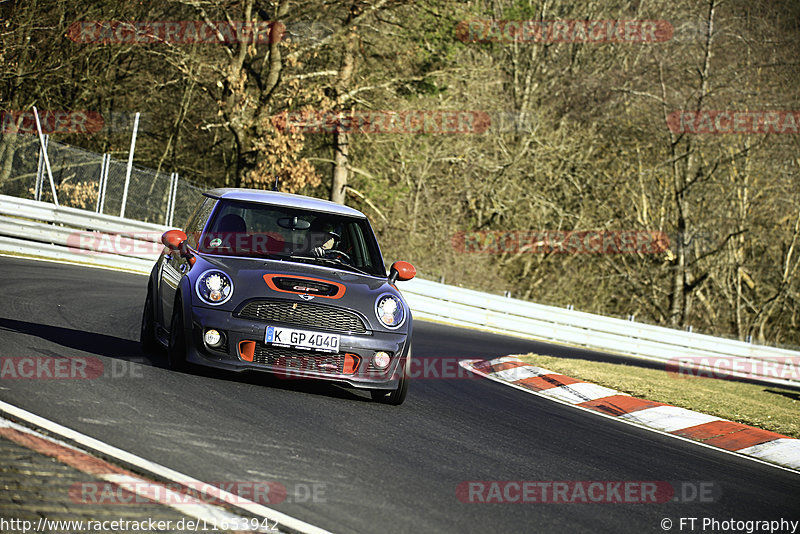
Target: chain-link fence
91, 181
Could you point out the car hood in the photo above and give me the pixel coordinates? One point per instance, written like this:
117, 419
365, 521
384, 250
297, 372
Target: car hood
255, 278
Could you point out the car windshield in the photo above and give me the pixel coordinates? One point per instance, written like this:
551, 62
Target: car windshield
276, 232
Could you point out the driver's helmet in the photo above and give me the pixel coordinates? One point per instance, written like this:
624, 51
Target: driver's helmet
325, 233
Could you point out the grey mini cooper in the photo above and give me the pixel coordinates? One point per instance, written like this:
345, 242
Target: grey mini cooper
282, 283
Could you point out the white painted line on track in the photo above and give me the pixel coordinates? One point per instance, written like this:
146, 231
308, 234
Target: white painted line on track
177, 501
786, 451
156, 469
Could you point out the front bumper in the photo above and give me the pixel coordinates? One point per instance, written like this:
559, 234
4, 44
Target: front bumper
295, 363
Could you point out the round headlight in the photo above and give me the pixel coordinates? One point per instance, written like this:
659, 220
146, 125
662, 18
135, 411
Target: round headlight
390, 311
214, 287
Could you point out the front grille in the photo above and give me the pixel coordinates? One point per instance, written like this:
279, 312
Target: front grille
298, 360
304, 314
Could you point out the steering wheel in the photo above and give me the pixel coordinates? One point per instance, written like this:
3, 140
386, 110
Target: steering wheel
338, 254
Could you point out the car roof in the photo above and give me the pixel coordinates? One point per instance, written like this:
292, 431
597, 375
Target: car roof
275, 198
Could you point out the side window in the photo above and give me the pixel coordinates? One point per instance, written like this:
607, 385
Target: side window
198, 221
359, 247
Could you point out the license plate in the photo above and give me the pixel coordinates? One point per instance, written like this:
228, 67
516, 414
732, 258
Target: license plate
302, 339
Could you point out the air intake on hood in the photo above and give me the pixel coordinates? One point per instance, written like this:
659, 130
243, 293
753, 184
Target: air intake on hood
305, 286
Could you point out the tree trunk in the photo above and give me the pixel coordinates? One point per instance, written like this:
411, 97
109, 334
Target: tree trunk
340, 171
7, 151
341, 150
684, 177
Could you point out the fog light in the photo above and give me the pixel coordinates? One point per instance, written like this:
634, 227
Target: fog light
381, 360
213, 338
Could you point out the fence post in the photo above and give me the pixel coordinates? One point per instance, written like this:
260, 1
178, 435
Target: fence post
107, 157
44, 152
168, 211
37, 194
100, 184
173, 196
130, 165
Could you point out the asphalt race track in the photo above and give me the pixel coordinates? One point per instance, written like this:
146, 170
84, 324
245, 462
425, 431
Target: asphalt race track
374, 468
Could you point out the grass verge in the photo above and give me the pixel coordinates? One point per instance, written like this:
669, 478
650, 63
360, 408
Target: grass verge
769, 407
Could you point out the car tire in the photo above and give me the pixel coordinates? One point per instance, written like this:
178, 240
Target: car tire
395, 397
147, 336
176, 353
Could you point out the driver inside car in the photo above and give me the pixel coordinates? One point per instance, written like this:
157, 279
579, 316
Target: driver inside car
324, 236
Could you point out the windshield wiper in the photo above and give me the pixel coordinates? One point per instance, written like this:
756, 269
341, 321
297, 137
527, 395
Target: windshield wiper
340, 262
334, 261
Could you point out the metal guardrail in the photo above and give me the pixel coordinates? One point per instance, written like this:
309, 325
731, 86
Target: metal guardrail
70, 234
684, 353
37, 228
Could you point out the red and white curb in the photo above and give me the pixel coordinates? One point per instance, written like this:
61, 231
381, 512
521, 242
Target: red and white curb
182, 501
706, 429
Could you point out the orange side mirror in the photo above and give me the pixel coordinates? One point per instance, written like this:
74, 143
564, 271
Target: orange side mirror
401, 270
173, 239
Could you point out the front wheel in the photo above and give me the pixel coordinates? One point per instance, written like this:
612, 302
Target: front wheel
395, 397
176, 353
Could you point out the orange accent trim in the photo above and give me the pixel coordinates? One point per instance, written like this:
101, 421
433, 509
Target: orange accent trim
341, 288
617, 405
247, 350
351, 362
538, 383
728, 435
